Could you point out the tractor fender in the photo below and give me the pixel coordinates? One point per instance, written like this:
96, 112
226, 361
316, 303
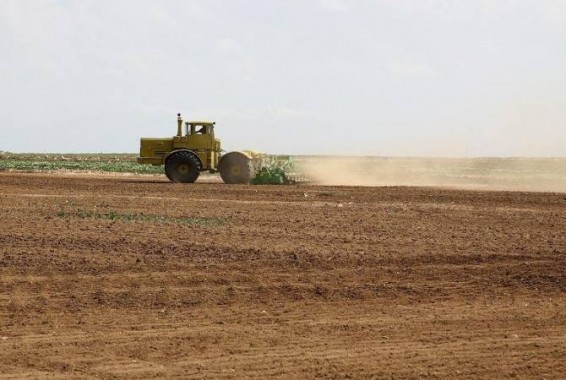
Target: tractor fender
182, 150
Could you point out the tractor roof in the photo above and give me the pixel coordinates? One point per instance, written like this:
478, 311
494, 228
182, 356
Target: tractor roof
202, 122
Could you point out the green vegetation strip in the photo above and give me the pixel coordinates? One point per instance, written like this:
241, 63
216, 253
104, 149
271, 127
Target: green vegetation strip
116, 163
101, 166
129, 217
97, 157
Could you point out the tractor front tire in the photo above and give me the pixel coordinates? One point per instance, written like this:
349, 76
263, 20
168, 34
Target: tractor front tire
236, 168
182, 167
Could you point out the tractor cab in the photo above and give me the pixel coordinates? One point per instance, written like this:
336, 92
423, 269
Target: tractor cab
199, 128
199, 136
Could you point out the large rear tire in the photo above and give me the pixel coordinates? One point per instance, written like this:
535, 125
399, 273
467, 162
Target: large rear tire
182, 167
235, 168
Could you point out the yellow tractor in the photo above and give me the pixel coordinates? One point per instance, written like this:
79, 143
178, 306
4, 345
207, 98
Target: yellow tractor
195, 150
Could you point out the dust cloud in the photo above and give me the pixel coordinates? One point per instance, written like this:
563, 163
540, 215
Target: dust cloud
521, 174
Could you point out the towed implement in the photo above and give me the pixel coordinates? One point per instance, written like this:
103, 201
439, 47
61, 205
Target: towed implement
274, 170
193, 150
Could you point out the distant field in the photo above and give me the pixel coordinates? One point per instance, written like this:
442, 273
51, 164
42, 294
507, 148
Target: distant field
538, 174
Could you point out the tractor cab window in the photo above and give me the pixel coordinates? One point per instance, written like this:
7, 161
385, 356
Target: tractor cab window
199, 129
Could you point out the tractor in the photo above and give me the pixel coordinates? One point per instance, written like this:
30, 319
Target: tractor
194, 150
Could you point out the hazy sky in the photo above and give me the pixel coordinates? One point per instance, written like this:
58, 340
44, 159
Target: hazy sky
371, 77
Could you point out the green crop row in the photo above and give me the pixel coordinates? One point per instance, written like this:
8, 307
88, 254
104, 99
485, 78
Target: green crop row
76, 165
94, 157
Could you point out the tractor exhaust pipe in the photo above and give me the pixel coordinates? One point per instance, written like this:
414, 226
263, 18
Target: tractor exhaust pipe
179, 125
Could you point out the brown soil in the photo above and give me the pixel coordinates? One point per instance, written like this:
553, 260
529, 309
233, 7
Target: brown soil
99, 279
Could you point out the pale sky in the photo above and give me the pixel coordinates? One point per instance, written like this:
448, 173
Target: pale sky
363, 77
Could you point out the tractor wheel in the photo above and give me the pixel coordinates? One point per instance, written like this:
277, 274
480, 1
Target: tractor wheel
183, 167
235, 167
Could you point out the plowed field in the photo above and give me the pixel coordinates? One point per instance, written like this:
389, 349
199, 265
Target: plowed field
131, 276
